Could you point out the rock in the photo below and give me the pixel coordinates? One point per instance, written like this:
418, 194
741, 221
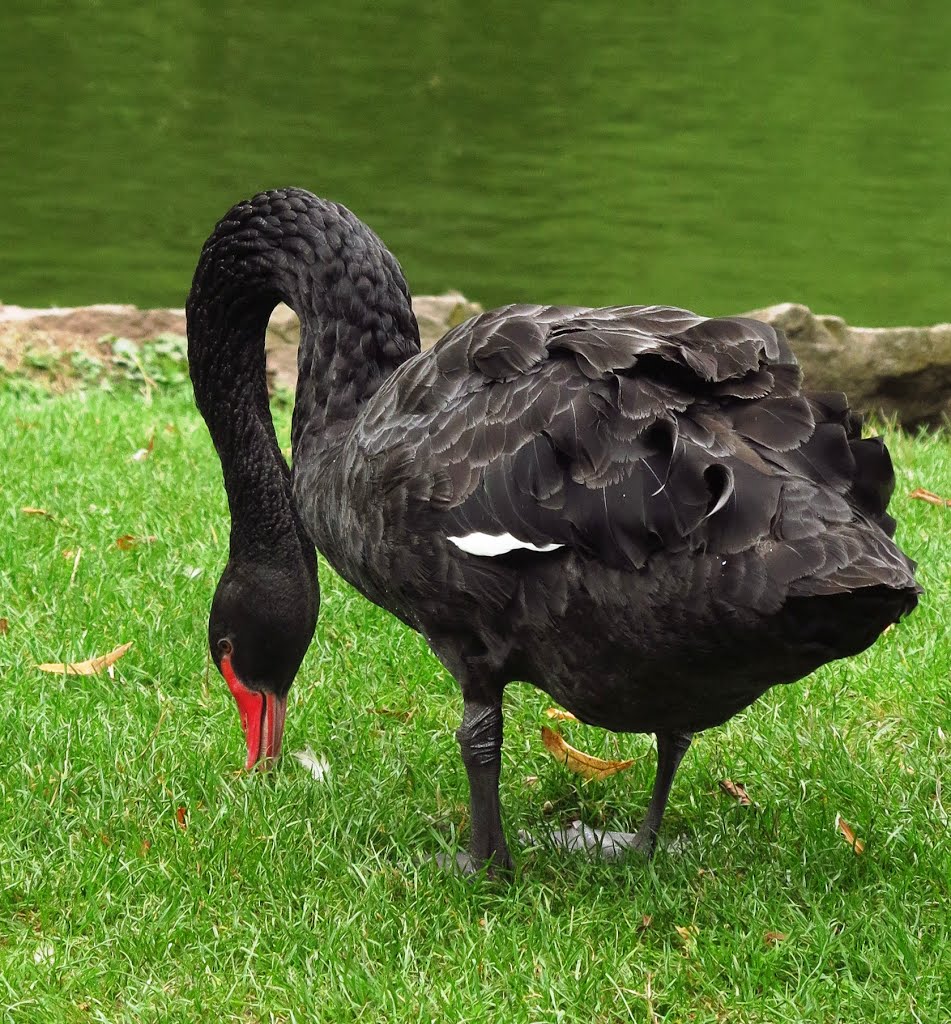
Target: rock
435, 314
46, 337
55, 330
61, 324
898, 371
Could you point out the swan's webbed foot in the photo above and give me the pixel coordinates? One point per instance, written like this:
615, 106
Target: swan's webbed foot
598, 844
606, 845
464, 863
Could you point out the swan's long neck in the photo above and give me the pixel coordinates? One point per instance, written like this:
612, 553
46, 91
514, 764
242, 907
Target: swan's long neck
357, 326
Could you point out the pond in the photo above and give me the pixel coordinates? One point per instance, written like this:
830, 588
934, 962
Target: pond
709, 154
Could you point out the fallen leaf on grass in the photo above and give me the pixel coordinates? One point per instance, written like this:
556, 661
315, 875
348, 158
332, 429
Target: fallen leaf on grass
4, 626
858, 847
645, 922
772, 938
89, 667
560, 716
128, 541
29, 510
319, 767
403, 716
737, 790
933, 499
577, 761
180, 817
688, 935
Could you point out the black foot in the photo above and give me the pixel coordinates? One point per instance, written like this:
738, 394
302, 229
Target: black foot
601, 844
596, 843
460, 863
604, 845
463, 863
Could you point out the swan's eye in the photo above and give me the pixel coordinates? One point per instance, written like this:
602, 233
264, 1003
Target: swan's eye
224, 647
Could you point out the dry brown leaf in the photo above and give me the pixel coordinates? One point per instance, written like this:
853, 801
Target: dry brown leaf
29, 510
4, 626
858, 847
560, 716
128, 541
772, 938
89, 667
737, 790
403, 716
68, 553
645, 922
576, 760
180, 818
688, 935
145, 846
933, 499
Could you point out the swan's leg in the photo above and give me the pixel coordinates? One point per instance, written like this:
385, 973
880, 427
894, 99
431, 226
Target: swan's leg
671, 748
480, 740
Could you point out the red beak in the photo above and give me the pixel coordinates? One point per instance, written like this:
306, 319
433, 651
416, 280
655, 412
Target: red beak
262, 718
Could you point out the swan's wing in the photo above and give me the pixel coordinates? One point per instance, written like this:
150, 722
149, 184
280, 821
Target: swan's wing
621, 431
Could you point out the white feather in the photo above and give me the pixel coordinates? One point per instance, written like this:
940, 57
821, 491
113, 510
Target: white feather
318, 766
488, 546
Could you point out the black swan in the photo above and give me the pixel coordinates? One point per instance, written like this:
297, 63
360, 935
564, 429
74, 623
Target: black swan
636, 509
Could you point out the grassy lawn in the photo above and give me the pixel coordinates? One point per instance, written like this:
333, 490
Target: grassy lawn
143, 877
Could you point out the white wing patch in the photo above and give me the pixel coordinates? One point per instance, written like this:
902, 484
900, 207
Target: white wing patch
488, 545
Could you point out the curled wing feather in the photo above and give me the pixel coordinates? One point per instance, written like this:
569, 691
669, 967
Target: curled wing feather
617, 432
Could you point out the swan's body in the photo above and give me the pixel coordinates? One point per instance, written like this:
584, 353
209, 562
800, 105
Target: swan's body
635, 508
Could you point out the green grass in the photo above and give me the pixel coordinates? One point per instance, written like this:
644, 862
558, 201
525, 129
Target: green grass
287, 899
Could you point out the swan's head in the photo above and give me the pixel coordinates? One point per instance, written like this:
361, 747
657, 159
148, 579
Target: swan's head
261, 624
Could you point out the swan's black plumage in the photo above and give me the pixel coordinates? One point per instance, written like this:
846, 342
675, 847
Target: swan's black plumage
709, 529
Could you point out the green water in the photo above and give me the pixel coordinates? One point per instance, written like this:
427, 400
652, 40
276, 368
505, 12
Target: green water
711, 154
